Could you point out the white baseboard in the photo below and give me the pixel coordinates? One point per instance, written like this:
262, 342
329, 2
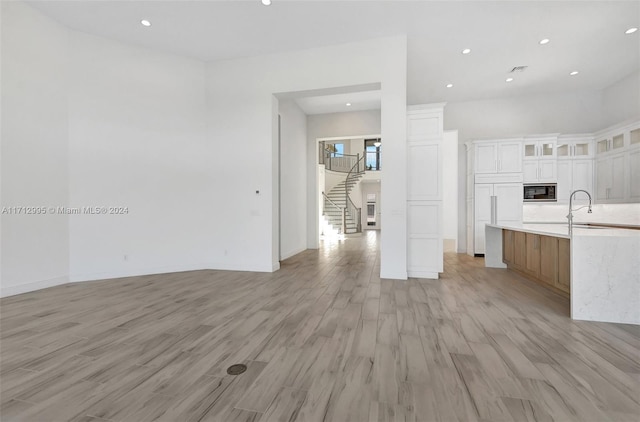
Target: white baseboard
173, 269
394, 276
423, 274
32, 286
134, 272
106, 275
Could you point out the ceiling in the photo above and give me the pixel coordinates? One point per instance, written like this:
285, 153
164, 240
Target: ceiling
364, 100
587, 36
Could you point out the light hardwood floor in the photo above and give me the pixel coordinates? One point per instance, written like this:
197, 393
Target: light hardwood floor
324, 339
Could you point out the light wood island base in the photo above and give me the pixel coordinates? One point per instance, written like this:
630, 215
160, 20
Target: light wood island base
543, 259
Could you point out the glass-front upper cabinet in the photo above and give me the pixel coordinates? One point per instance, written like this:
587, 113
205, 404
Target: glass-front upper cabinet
610, 143
634, 137
578, 146
540, 148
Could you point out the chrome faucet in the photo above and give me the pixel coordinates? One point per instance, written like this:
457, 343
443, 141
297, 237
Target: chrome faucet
570, 215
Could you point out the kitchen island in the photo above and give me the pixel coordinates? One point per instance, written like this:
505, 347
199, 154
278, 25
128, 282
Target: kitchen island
597, 267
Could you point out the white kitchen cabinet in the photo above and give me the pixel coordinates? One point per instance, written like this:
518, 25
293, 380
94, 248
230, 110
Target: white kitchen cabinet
574, 146
424, 170
634, 137
540, 148
610, 178
540, 171
508, 157
539, 159
424, 191
498, 156
611, 143
508, 209
634, 174
574, 175
617, 164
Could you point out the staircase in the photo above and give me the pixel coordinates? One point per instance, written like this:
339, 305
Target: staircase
336, 202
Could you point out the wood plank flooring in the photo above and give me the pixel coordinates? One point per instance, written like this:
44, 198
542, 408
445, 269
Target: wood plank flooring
324, 339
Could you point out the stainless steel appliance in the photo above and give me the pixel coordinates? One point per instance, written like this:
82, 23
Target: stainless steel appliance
545, 192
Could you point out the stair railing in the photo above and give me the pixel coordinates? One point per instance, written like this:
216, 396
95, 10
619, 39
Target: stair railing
339, 208
339, 162
355, 172
356, 213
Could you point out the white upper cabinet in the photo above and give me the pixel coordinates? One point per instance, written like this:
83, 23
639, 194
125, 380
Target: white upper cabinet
539, 159
542, 148
610, 176
574, 175
509, 154
634, 175
611, 143
540, 171
498, 156
634, 138
574, 146
617, 153
575, 165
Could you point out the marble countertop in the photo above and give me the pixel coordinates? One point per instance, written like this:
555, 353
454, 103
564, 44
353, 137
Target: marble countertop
562, 230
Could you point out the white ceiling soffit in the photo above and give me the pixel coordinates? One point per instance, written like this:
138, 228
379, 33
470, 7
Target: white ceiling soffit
359, 101
587, 36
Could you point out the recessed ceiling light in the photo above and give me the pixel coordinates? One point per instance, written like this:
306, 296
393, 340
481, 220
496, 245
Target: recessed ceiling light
574, 73
449, 85
266, 2
631, 30
348, 104
466, 51
544, 41
145, 22
509, 79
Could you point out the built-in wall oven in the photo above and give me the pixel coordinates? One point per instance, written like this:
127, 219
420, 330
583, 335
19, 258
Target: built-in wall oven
545, 192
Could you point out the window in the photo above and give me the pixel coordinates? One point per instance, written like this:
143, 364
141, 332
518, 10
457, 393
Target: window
339, 150
372, 149
336, 150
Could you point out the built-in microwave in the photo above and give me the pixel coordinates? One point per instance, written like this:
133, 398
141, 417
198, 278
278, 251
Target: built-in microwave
540, 192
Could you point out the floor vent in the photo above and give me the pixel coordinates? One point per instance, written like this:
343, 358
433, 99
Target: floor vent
236, 369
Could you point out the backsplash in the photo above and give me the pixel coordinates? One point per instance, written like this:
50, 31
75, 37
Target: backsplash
602, 213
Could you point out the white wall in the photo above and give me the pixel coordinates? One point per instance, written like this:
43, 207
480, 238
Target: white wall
137, 139
160, 135
504, 117
450, 190
356, 146
35, 248
348, 124
621, 100
293, 179
333, 125
241, 112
